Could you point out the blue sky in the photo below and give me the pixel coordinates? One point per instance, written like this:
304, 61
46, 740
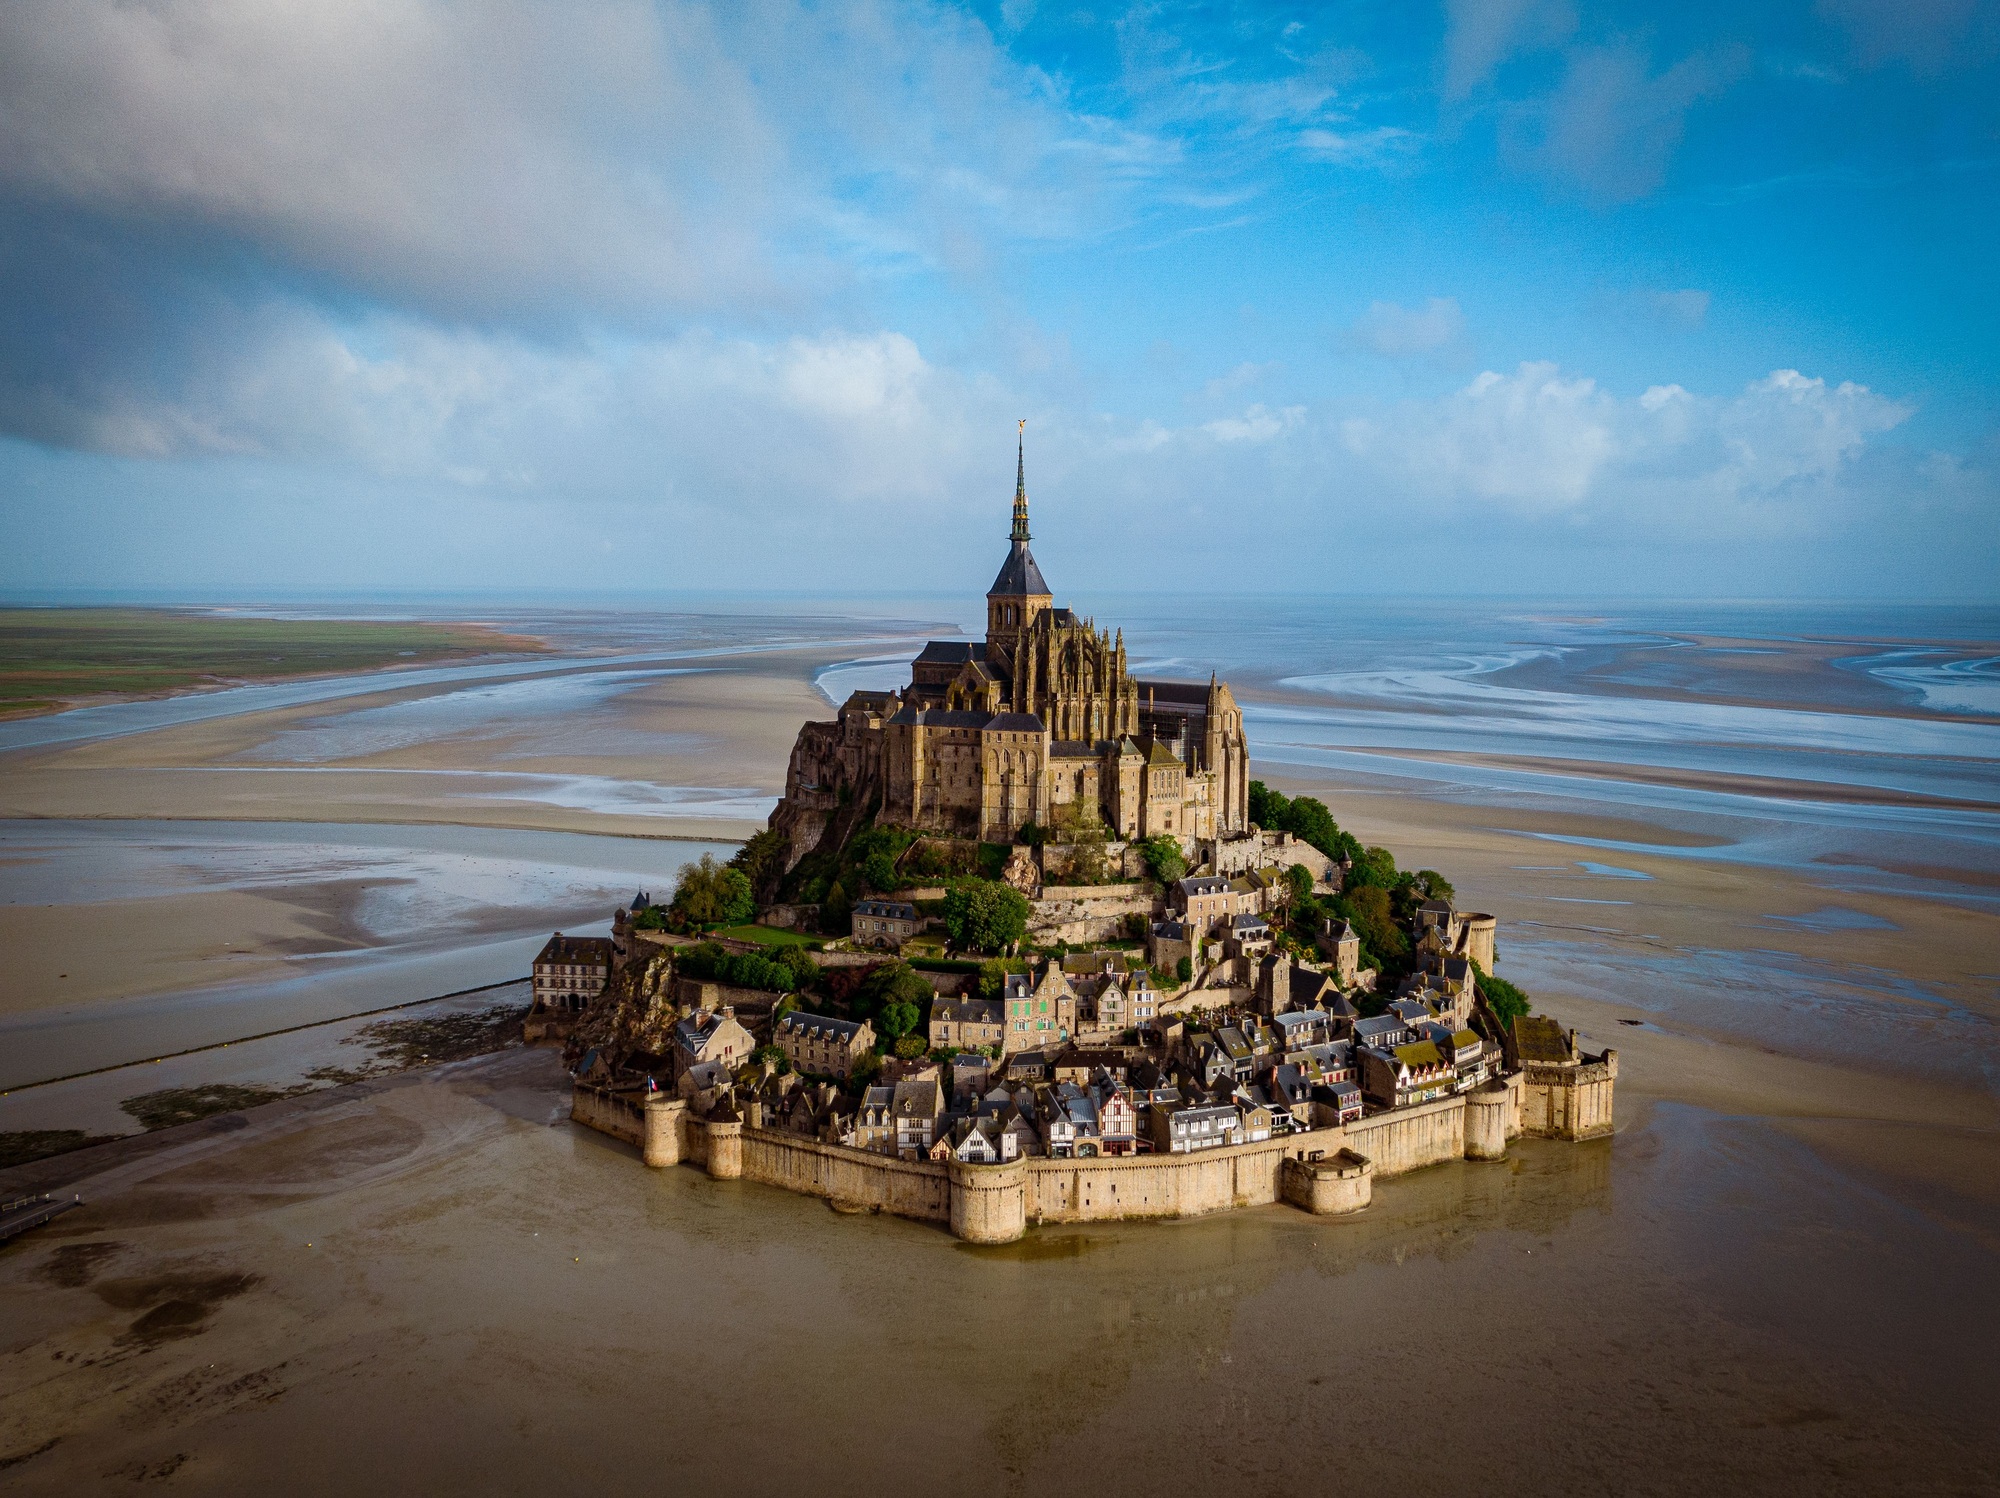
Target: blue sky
1504, 297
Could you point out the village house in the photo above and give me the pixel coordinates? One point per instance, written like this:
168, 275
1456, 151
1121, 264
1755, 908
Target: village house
971, 1075
1117, 1120
1181, 1126
567, 974
884, 923
1336, 1103
1039, 1013
1339, 945
968, 1024
710, 1035
1168, 943
821, 1046
875, 1120
1067, 1114
1248, 935
916, 1107
1201, 900
1415, 1072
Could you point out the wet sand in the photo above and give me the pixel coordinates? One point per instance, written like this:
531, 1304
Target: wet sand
728, 728
1779, 1275
434, 1283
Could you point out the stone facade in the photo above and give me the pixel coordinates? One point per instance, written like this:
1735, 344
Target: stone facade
821, 1047
1040, 722
568, 973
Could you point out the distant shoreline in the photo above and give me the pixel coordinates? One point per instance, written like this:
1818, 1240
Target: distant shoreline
55, 658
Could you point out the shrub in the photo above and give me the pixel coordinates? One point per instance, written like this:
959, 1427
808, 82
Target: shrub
983, 916
1164, 860
1184, 969
911, 1046
1506, 1001
737, 969
712, 894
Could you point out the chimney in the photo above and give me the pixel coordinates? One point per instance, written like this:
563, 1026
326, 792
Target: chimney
729, 1011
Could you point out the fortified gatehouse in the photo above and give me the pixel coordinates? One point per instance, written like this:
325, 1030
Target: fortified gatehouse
1039, 722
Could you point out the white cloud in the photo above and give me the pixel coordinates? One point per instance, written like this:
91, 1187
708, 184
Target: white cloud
1532, 440
1257, 424
1395, 332
1538, 443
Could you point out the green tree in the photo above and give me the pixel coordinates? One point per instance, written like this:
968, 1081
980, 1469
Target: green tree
712, 894
1502, 997
992, 979
1300, 878
886, 987
1164, 860
983, 916
1184, 969
898, 1020
762, 859
798, 962
1432, 885
1034, 834
880, 872
836, 909
1374, 922
1267, 807
1374, 866
909, 1047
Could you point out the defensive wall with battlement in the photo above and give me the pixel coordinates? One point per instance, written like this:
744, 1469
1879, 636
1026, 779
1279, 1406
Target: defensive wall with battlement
1325, 1171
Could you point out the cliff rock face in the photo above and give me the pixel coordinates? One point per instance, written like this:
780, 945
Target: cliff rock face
833, 783
633, 1016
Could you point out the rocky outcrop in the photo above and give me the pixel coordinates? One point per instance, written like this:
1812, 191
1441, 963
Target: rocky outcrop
634, 1015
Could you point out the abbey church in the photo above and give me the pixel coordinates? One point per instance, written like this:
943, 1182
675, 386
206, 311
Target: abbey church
1040, 722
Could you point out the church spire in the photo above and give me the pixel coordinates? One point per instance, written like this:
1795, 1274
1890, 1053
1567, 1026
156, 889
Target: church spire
1021, 484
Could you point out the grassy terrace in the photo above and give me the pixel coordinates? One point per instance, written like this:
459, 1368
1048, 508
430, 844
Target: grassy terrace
768, 936
51, 657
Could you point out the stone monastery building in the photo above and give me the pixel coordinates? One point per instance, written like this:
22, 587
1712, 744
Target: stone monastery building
1039, 722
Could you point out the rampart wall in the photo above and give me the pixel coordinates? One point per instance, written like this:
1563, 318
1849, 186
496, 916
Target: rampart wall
1329, 1169
622, 1115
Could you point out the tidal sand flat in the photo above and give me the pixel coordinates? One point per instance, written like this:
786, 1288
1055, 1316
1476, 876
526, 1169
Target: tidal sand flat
1776, 1274
442, 1262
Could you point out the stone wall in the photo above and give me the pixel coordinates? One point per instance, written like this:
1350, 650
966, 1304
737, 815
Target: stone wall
622, 1115
1325, 1171
849, 1177
1409, 1138
1569, 1102
1079, 913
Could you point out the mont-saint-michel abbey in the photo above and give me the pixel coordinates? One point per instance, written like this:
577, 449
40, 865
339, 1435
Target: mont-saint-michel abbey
1041, 723
1016, 949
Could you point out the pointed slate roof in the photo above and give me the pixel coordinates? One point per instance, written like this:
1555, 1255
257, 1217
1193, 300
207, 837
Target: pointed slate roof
1018, 574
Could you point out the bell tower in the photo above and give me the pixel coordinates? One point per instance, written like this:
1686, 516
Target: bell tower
1018, 594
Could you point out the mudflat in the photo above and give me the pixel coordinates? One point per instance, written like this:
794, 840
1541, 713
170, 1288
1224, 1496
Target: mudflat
1777, 1274
435, 1283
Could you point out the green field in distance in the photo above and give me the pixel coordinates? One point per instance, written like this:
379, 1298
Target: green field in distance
50, 657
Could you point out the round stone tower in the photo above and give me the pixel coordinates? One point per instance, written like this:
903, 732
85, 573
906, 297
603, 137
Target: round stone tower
663, 1129
725, 1151
989, 1203
1486, 1122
